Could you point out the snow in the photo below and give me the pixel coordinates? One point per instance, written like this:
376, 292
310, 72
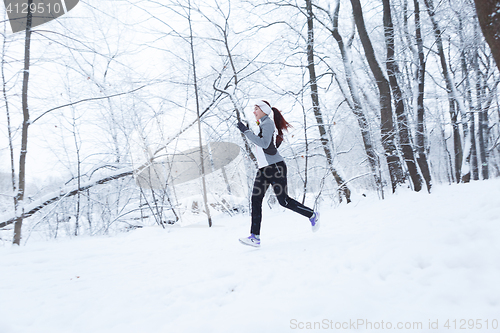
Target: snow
413, 257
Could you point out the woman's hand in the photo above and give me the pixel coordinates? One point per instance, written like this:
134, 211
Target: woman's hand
242, 127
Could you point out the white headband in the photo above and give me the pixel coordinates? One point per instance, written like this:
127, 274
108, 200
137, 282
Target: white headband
264, 107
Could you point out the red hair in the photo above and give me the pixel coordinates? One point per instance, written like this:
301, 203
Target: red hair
280, 123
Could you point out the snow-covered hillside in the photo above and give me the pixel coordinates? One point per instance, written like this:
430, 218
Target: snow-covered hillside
412, 259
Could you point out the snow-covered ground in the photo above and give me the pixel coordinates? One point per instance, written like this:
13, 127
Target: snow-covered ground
412, 259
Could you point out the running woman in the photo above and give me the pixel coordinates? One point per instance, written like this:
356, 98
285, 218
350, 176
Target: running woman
272, 169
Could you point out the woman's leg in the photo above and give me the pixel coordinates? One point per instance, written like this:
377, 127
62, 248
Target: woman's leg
259, 190
279, 183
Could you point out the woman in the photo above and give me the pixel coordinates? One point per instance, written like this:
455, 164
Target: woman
272, 169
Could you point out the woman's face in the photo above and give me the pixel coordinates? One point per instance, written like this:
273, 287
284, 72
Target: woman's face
258, 112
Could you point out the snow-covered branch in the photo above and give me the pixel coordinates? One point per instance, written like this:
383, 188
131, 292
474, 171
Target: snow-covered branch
55, 196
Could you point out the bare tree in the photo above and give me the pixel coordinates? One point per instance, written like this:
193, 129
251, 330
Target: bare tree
453, 99
402, 119
488, 13
231, 87
354, 99
195, 83
26, 123
420, 135
481, 109
324, 137
470, 156
7, 112
387, 126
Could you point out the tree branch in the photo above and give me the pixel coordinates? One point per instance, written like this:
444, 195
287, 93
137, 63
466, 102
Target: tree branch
86, 100
34, 207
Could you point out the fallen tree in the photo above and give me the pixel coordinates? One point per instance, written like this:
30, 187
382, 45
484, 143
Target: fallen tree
35, 206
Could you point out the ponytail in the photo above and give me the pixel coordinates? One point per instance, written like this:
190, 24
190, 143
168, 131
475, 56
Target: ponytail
280, 123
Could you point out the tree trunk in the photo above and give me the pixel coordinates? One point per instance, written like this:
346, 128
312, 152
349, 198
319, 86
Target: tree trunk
420, 135
356, 106
482, 126
473, 150
202, 166
481, 111
488, 13
306, 156
468, 162
7, 111
387, 127
393, 72
79, 171
26, 122
450, 88
316, 107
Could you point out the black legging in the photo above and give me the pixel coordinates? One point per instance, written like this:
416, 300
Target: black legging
274, 175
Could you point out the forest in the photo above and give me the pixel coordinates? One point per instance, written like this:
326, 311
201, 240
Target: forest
383, 96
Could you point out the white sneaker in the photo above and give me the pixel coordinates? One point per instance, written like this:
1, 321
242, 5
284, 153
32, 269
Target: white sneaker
315, 221
251, 241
